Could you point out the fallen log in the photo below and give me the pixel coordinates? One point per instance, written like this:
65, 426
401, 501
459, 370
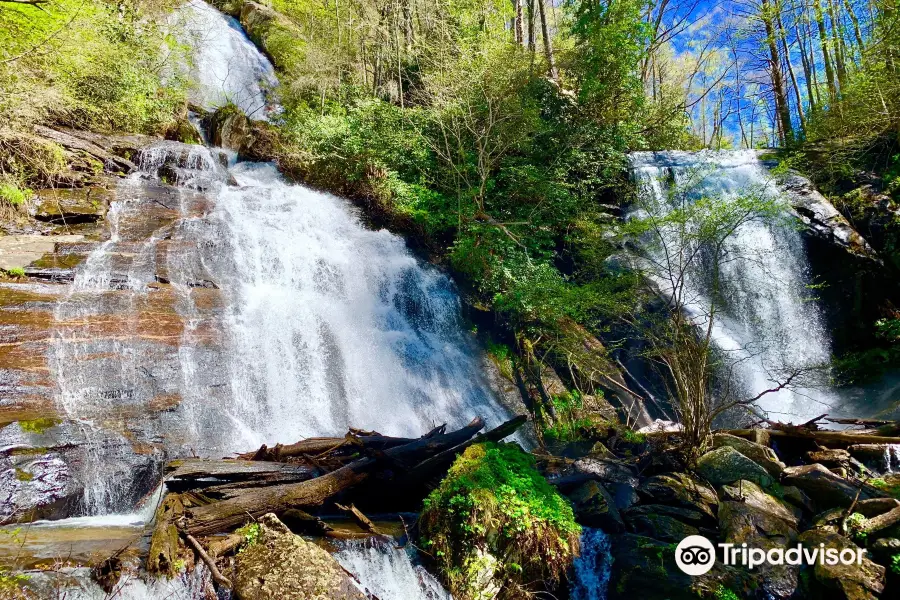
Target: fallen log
362, 520
443, 459
819, 435
164, 547
253, 503
192, 473
322, 445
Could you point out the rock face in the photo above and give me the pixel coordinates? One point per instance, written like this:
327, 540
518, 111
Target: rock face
748, 514
645, 568
821, 217
283, 565
761, 455
595, 507
847, 582
827, 489
72, 206
229, 128
726, 465
678, 489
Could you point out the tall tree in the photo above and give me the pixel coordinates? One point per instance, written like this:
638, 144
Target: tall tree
548, 43
826, 54
789, 63
782, 108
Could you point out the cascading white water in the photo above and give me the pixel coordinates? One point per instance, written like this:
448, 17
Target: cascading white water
226, 67
591, 569
389, 572
768, 320
891, 457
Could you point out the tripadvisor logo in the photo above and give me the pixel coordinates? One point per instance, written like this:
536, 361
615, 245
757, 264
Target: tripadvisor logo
695, 555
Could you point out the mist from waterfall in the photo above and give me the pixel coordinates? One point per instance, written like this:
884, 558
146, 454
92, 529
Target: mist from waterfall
768, 321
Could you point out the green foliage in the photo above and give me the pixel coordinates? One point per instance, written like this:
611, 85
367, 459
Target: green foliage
895, 564
855, 523
723, 593
493, 499
15, 272
13, 194
87, 64
892, 487
250, 533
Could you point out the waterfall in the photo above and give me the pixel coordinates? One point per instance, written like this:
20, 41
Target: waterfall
226, 67
228, 308
891, 457
592, 567
768, 319
388, 572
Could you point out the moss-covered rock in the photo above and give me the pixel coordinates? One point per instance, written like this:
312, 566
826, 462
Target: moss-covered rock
726, 465
496, 527
278, 565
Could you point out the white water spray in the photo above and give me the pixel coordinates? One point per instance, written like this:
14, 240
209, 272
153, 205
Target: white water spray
769, 322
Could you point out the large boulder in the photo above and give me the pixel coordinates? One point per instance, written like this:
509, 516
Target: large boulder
679, 489
664, 528
645, 568
618, 478
283, 565
761, 455
595, 507
726, 465
230, 128
846, 582
747, 514
827, 489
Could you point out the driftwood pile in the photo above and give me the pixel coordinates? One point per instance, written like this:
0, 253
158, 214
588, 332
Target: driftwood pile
208, 499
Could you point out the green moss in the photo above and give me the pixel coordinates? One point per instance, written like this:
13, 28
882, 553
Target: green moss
892, 488
38, 425
13, 194
723, 593
633, 437
250, 531
22, 475
15, 272
855, 523
494, 501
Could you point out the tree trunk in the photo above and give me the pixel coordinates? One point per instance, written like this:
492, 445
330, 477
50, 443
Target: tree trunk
826, 55
782, 108
253, 503
532, 44
517, 24
856, 31
548, 45
838, 46
790, 66
806, 70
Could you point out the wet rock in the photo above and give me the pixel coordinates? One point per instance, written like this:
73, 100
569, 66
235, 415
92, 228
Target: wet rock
850, 582
826, 488
595, 507
761, 455
230, 128
726, 465
36, 484
678, 489
19, 251
821, 218
72, 206
617, 478
747, 514
283, 565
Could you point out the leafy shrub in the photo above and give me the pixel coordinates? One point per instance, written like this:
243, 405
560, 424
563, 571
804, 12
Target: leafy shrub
494, 501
